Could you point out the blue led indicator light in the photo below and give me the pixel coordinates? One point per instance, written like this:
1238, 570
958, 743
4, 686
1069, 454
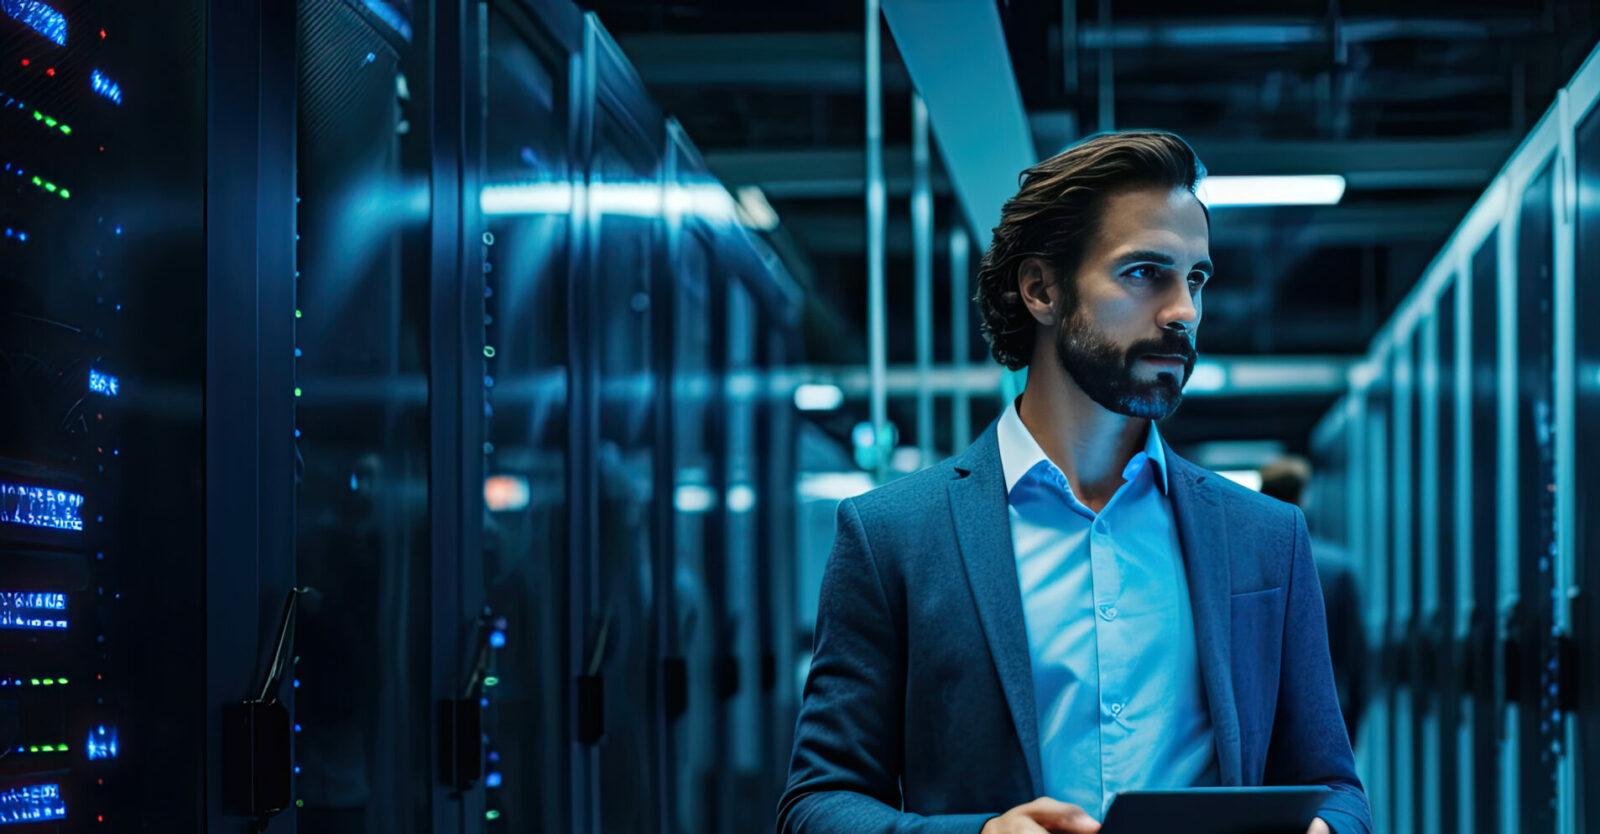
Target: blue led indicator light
296, 768
493, 780
297, 726
494, 755
483, 702
32, 803
296, 683
104, 383
353, 486
39, 17
39, 507
103, 743
497, 639
106, 87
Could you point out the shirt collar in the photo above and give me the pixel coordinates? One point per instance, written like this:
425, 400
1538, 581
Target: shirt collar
1020, 452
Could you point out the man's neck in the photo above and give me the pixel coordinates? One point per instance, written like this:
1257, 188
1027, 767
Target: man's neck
1088, 443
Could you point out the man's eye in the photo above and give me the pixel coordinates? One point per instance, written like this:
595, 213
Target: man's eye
1145, 273
1196, 281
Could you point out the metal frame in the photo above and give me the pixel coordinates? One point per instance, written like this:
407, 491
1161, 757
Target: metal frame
249, 406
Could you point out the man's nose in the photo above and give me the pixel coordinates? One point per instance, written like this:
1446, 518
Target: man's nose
1180, 312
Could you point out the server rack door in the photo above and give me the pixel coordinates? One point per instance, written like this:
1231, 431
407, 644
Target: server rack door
1541, 735
1380, 722
691, 707
741, 754
620, 625
1484, 657
1399, 638
527, 169
1425, 647
102, 363
362, 318
1443, 648
1586, 538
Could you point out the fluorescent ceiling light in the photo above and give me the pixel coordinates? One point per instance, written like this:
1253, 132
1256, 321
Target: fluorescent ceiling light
1307, 190
694, 498
709, 202
1206, 377
754, 210
814, 397
741, 497
833, 486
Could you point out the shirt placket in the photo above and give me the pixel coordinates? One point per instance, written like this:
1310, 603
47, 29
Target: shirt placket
1110, 647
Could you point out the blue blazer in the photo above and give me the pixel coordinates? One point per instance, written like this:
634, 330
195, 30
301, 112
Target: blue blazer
919, 715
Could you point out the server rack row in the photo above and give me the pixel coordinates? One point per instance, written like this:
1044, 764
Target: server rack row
1454, 470
415, 386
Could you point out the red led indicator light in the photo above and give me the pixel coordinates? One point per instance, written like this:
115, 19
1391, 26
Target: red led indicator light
25, 62
50, 72
99, 818
102, 34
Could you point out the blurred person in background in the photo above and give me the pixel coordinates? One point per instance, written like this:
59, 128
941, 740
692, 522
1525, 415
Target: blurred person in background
1286, 479
1068, 609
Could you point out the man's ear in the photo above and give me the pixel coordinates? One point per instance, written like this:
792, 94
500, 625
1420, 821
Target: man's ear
1038, 284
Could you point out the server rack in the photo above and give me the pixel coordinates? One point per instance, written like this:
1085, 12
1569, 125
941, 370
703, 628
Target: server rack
1474, 409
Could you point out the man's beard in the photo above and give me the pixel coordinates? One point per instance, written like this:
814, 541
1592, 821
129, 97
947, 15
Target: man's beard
1105, 373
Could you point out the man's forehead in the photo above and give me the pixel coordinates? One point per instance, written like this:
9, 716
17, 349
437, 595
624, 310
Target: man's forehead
1155, 219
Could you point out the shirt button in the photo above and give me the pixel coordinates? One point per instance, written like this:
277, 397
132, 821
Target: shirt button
1100, 525
1108, 612
1116, 709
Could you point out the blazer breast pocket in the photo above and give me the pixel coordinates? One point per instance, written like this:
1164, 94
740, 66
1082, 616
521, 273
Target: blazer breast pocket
1257, 649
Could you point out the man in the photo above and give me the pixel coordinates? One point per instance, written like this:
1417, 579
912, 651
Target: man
1285, 479
1068, 610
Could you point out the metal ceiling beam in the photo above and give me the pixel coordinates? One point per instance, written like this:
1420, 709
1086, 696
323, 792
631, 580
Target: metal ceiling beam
832, 233
956, 54
837, 172
1300, 31
819, 61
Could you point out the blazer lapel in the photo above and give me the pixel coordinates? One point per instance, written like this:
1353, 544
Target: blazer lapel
1203, 536
983, 532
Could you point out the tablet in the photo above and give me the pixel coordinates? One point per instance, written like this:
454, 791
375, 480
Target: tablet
1274, 810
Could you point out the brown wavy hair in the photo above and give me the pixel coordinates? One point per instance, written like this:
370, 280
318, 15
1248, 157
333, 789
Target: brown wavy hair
1054, 215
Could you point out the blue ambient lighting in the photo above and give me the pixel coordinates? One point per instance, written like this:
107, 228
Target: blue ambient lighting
103, 743
40, 18
102, 383
106, 87
390, 16
52, 509
19, 609
32, 803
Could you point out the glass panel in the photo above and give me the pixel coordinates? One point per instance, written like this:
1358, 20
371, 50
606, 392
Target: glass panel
363, 500
526, 560
1484, 641
1586, 538
622, 605
102, 361
1442, 628
742, 751
694, 755
1542, 736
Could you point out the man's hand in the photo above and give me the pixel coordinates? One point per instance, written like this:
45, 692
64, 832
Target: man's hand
1318, 827
1047, 816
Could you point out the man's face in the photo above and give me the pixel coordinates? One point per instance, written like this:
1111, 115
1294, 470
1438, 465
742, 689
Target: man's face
1128, 340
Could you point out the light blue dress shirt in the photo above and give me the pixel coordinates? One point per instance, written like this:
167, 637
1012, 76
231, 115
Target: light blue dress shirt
1116, 675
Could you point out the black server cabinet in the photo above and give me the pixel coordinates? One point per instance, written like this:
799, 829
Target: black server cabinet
102, 359
1586, 537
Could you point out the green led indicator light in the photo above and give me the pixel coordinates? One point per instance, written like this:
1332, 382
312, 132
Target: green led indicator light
62, 681
61, 748
488, 351
35, 681
49, 682
493, 815
37, 116
33, 749
37, 181
65, 194
49, 122
299, 803
50, 187
67, 130
491, 681
297, 392
297, 314
48, 748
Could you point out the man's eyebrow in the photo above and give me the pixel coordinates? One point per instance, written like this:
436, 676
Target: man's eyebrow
1162, 258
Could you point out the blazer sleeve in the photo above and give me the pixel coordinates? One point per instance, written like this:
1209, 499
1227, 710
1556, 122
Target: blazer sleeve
844, 775
1309, 744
